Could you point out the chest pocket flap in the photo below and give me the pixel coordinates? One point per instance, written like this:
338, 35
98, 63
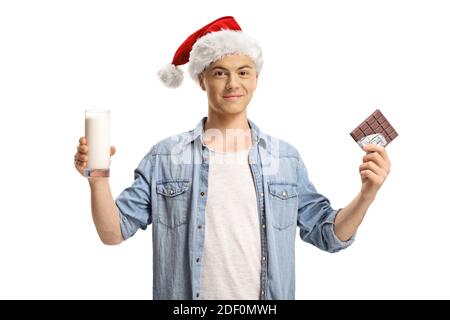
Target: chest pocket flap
283, 191
172, 188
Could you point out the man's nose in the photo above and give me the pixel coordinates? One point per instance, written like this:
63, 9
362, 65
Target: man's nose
233, 82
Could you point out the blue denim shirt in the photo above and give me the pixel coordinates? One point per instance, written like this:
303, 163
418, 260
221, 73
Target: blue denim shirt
170, 192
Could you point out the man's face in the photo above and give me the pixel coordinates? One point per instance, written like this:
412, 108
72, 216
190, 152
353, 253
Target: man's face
229, 84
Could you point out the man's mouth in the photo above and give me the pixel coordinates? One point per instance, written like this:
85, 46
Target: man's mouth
233, 97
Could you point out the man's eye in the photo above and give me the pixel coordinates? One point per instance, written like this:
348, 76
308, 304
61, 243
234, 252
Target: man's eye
244, 73
219, 73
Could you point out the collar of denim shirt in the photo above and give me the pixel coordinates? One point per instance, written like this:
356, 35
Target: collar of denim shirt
258, 137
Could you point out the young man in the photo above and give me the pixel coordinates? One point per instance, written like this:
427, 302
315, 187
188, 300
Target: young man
225, 198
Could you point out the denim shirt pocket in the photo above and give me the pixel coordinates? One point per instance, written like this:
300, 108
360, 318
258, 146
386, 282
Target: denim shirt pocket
283, 201
173, 200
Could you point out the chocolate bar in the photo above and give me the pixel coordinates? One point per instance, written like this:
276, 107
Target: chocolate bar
375, 130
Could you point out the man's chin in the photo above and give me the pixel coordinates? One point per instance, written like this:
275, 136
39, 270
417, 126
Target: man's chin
232, 108
232, 111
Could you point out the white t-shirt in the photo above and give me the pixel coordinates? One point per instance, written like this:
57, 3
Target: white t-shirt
231, 263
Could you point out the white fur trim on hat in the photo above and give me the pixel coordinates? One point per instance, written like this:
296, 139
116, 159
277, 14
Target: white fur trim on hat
171, 76
216, 45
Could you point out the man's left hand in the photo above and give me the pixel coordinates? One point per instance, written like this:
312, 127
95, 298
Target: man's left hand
374, 170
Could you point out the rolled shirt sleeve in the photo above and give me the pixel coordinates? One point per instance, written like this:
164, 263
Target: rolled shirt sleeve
316, 216
134, 202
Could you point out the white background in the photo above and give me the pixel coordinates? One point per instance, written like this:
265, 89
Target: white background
328, 65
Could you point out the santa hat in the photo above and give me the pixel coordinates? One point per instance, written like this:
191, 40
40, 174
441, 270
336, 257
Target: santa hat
213, 42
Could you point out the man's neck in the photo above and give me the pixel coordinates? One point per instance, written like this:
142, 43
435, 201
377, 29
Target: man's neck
227, 133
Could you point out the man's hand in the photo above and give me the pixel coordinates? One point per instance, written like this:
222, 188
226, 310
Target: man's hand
81, 157
374, 170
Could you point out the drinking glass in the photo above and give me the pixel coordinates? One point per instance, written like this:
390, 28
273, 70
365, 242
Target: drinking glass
97, 126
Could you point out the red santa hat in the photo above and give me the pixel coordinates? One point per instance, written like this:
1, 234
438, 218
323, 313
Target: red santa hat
214, 41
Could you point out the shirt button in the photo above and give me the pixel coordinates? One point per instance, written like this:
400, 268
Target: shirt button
198, 259
284, 194
202, 193
171, 191
264, 258
198, 294
263, 226
199, 226
261, 194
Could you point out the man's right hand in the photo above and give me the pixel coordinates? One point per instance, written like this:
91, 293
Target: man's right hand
81, 157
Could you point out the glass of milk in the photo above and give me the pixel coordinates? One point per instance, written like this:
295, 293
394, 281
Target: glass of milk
97, 126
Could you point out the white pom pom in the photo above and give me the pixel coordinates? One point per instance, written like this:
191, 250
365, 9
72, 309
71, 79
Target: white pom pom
171, 76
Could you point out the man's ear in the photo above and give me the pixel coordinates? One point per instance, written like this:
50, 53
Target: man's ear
201, 81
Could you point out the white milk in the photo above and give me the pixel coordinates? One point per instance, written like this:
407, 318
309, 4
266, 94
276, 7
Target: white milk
97, 133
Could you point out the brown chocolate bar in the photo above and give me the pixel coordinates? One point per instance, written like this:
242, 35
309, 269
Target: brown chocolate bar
375, 129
